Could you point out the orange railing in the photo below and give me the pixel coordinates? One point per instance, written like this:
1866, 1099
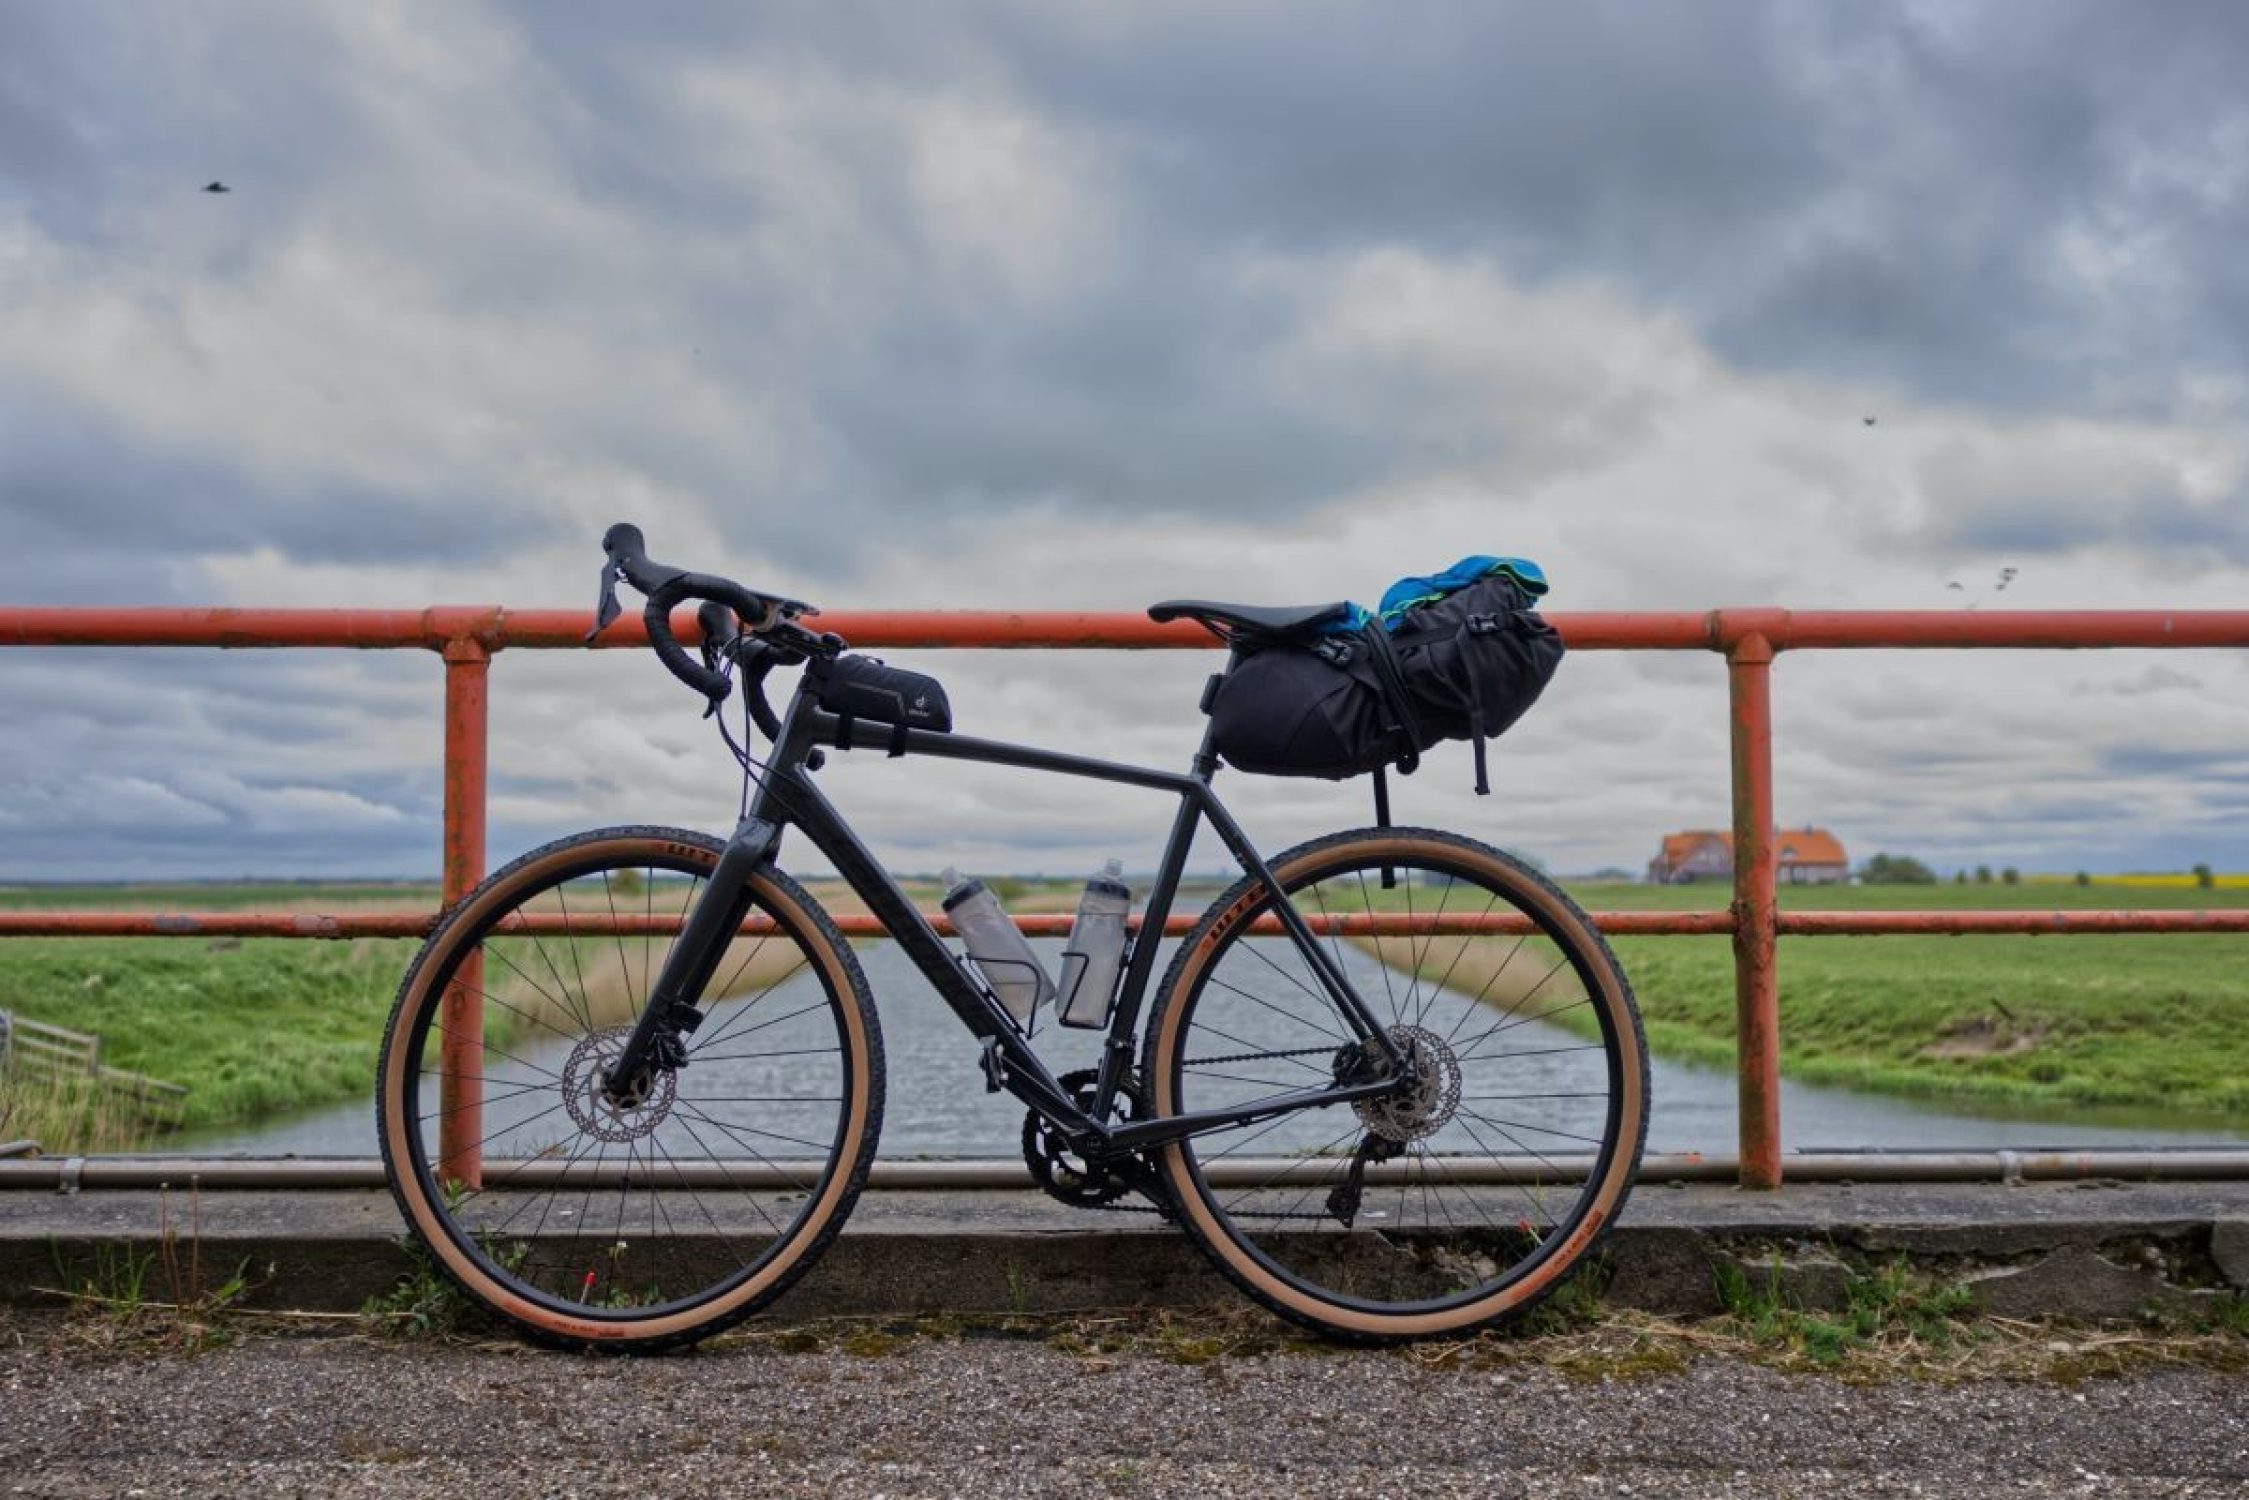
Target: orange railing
1749, 639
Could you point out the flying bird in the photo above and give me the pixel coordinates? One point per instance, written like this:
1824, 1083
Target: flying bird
1869, 421
217, 187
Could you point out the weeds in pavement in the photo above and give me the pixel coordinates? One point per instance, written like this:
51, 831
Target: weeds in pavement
156, 1297
1891, 1304
424, 1303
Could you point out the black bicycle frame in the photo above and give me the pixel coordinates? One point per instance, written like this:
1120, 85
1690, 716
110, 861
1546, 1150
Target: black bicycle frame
787, 798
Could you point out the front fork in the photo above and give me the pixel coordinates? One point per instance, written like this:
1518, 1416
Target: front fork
671, 1012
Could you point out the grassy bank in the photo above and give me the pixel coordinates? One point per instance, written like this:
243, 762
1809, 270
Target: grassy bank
2157, 1025
252, 1028
2112, 1020
262, 1027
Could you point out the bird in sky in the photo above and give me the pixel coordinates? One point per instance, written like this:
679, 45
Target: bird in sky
1869, 421
1997, 586
217, 187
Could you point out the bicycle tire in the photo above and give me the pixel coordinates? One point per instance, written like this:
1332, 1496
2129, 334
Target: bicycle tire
1419, 1265
549, 973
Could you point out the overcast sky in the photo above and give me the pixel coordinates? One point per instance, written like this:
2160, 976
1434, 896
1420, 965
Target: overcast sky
999, 305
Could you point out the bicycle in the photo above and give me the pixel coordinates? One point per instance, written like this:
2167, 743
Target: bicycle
672, 1067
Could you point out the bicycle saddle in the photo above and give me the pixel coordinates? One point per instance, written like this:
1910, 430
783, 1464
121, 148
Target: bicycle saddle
1251, 619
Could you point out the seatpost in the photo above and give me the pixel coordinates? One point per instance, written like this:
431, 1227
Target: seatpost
1206, 754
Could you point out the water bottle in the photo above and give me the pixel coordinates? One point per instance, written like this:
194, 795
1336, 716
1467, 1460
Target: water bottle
1096, 949
997, 949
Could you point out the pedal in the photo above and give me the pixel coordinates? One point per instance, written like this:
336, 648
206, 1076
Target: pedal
995, 1066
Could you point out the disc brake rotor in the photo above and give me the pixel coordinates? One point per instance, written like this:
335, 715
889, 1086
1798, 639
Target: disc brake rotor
632, 1118
1425, 1108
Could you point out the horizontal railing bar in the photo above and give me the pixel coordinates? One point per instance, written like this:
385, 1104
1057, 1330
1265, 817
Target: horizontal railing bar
215, 924
1054, 924
2030, 923
2027, 629
46, 1173
496, 628
1057, 924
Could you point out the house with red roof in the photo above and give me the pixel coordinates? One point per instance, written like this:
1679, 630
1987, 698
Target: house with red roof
1806, 856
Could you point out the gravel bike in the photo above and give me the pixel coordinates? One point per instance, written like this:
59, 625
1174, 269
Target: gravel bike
1392, 1080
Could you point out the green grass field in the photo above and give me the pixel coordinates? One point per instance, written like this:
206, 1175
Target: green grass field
2153, 1022
252, 1028
2157, 1023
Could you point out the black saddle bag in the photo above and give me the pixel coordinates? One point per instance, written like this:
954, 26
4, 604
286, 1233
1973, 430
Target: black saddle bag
1465, 666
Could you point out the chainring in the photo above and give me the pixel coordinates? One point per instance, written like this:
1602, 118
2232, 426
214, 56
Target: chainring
1061, 1173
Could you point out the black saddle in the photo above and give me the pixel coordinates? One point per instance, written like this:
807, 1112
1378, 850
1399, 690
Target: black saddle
1230, 620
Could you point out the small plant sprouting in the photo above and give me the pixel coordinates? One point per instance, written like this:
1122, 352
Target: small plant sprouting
1888, 1304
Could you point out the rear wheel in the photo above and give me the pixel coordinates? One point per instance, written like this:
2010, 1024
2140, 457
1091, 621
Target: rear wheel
1459, 1201
658, 1217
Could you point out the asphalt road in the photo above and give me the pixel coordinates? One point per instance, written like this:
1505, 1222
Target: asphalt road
312, 1416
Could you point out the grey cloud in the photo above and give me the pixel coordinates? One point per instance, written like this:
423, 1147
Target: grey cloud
2024, 503
1855, 192
2150, 683
1867, 191
97, 511
112, 118
1838, 191
2162, 760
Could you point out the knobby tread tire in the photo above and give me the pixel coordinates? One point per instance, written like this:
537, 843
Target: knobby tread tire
1214, 1239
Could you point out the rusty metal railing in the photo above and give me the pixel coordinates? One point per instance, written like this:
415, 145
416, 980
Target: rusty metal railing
1749, 640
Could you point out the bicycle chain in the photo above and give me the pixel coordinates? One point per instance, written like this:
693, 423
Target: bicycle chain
1192, 1062
1204, 1062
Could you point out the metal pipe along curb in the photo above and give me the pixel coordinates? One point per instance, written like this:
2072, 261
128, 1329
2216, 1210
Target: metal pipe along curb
60, 1174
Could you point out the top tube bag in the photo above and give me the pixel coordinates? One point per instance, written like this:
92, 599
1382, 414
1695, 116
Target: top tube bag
1460, 654
863, 688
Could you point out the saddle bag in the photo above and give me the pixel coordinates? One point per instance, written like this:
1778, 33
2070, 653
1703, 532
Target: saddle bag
1458, 655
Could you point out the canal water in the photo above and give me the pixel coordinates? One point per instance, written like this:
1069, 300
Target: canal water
938, 1107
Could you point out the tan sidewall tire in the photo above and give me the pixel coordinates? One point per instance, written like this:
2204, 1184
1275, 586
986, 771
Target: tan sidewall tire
819, 939
1235, 1259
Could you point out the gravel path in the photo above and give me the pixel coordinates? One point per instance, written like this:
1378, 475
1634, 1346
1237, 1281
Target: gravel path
304, 1416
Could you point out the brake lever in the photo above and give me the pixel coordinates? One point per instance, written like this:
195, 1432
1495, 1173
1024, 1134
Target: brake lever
606, 608
720, 632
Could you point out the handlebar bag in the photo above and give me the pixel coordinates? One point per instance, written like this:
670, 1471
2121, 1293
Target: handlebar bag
1459, 655
861, 687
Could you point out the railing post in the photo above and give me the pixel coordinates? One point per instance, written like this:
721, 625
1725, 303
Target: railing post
1749, 673
460, 1092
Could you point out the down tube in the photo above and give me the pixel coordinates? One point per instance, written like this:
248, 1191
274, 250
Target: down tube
1028, 1078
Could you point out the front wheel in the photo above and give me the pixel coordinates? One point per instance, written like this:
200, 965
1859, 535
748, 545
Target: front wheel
653, 1218
1459, 1201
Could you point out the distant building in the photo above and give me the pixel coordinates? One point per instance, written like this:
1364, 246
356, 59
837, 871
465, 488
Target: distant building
1806, 856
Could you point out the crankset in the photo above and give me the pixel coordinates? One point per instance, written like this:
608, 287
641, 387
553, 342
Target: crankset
1065, 1175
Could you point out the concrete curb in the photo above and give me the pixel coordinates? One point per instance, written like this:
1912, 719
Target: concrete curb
2089, 1250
